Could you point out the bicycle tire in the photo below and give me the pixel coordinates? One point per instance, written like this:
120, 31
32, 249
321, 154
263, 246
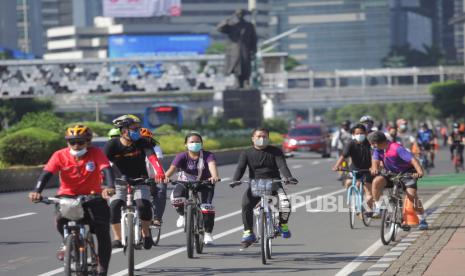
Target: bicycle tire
269, 235
456, 163
262, 227
199, 232
90, 251
155, 232
190, 231
352, 207
386, 224
71, 255
130, 242
398, 221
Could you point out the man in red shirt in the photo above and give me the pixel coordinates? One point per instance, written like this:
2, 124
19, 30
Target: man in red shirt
81, 167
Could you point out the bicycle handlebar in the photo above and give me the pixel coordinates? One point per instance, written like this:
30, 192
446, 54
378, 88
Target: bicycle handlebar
82, 198
237, 183
194, 184
135, 181
356, 171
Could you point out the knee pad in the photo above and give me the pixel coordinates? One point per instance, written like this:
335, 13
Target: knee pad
207, 208
177, 202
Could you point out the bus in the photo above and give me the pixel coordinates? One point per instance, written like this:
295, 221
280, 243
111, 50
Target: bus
160, 114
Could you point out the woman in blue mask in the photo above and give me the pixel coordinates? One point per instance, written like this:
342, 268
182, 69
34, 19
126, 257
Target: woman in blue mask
195, 164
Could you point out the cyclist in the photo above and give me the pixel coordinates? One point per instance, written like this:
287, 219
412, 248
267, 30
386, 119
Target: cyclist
342, 137
426, 140
404, 136
158, 192
359, 151
264, 162
396, 159
368, 122
81, 166
195, 164
128, 153
456, 140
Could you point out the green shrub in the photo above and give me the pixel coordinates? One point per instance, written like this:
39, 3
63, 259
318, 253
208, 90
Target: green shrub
99, 128
277, 125
276, 138
30, 146
166, 129
43, 120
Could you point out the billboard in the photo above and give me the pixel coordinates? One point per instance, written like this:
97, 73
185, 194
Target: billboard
141, 8
157, 45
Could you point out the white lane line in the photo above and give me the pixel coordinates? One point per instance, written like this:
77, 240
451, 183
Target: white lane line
350, 267
18, 216
226, 179
298, 166
316, 162
172, 233
218, 236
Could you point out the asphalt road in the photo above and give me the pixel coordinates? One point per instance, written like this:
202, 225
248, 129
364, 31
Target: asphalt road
322, 242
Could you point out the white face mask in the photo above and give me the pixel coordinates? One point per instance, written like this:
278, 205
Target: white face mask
359, 137
261, 142
78, 153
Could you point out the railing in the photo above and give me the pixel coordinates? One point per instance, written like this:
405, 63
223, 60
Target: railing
190, 74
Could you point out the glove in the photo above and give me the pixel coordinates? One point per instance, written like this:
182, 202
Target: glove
290, 180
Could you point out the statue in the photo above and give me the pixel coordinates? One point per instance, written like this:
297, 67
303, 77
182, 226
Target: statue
242, 47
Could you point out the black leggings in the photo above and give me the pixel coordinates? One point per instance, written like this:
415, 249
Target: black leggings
96, 214
158, 200
206, 197
144, 207
460, 151
249, 202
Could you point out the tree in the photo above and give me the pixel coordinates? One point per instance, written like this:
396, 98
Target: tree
291, 63
448, 99
14, 109
405, 56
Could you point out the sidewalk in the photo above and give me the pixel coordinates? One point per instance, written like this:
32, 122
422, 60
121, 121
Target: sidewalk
439, 250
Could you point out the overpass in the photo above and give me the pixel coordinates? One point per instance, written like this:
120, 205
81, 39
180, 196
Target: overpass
114, 85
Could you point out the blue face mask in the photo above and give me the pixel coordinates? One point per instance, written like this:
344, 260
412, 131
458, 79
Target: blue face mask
194, 147
134, 135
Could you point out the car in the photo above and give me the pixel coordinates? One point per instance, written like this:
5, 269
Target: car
311, 137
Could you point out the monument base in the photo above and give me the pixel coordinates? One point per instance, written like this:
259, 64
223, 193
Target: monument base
243, 104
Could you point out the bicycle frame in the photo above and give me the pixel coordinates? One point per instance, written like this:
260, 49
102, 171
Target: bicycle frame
358, 190
130, 208
271, 217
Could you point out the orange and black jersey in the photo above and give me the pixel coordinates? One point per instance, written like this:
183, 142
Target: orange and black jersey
130, 160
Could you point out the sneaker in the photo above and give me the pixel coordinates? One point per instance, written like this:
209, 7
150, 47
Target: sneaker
156, 222
147, 242
180, 222
208, 238
376, 213
284, 229
116, 244
61, 252
248, 238
423, 225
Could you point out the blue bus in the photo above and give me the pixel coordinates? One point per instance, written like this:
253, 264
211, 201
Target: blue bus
160, 114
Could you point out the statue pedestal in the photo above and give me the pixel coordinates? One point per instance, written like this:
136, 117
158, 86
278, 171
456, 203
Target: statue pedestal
243, 104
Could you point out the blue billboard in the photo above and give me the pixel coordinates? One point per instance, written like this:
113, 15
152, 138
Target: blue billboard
157, 45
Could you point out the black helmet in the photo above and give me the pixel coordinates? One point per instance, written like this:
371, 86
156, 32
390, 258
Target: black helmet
424, 125
126, 120
366, 119
346, 123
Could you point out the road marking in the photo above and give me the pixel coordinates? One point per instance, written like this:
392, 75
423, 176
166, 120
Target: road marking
226, 179
218, 236
18, 216
350, 267
172, 233
298, 166
316, 162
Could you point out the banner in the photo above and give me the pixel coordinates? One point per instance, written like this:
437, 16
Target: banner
141, 8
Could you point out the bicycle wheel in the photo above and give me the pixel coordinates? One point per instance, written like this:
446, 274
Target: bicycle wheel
387, 225
130, 242
352, 207
199, 232
190, 231
263, 242
155, 232
92, 263
397, 221
71, 259
269, 235
456, 161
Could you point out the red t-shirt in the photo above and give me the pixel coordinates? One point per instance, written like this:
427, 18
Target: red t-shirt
78, 177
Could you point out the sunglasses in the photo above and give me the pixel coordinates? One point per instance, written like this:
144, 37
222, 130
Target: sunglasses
76, 142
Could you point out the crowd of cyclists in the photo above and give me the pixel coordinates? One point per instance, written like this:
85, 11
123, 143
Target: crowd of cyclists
133, 152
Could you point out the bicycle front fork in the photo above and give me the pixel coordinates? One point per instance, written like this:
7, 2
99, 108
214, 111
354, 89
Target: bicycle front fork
125, 223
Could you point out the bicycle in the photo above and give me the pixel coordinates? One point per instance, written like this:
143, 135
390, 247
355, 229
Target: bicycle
355, 196
266, 216
130, 222
78, 240
392, 217
193, 217
344, 172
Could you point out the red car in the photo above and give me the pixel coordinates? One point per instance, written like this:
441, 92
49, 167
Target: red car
313, 137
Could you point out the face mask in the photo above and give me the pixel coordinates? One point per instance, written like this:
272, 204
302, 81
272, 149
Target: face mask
78, 153
261, 142
403, 127
134, 135
194, 147
359, 137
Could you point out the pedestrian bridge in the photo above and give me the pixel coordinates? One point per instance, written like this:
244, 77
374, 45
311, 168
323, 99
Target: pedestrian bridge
78, 84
